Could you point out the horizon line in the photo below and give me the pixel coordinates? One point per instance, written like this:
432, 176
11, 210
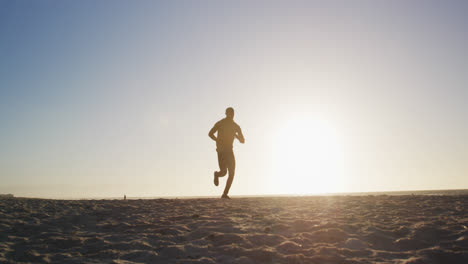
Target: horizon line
364, 193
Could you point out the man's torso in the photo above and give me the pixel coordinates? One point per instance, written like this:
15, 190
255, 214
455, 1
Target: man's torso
227, 130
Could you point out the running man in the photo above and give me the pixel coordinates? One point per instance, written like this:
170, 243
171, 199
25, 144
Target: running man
227, 130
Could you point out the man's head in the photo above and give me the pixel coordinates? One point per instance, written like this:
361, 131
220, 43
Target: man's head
230, 113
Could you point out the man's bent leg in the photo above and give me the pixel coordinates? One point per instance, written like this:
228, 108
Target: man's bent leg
231, 165
222, 164
222, 167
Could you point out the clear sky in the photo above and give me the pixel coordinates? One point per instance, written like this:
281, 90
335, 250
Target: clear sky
105, 98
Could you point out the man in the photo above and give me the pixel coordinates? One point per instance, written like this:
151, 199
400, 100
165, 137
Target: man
227, 130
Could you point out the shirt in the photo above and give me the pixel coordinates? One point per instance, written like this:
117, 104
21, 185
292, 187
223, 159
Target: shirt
227, 130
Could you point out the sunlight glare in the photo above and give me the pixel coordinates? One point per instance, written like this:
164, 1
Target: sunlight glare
308, 158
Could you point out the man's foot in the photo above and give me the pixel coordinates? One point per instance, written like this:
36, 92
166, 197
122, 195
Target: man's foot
225, 196
216, 180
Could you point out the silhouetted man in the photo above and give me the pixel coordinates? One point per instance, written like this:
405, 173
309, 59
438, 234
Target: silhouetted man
227, 130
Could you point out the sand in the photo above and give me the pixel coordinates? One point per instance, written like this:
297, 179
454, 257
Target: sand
333, 229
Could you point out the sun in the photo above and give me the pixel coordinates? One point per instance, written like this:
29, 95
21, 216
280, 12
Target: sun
307, 157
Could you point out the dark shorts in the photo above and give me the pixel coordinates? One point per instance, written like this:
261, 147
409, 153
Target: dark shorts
226, 160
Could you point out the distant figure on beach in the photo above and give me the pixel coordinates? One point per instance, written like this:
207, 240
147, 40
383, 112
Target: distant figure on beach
227, 130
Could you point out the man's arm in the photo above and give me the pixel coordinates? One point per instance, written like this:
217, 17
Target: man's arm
212, 131
239, 135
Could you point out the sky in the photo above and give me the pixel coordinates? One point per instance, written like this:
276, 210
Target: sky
106, 98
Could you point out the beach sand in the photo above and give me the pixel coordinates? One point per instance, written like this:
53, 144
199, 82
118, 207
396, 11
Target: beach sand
320, 229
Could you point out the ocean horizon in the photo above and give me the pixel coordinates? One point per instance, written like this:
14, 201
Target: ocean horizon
440, 192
